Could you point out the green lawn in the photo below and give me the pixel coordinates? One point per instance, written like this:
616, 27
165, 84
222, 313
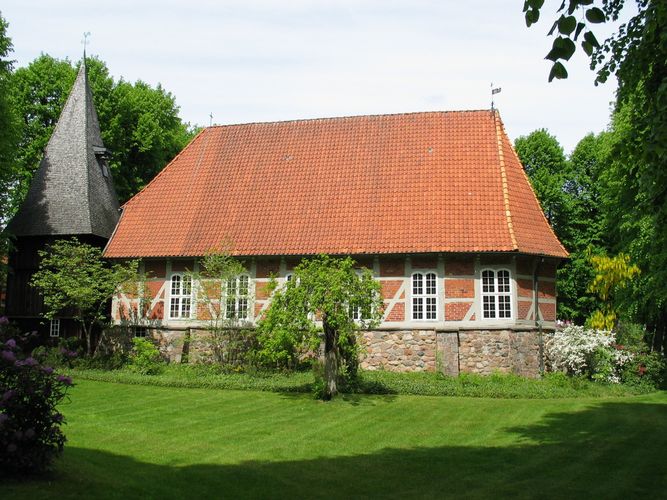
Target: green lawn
133, 441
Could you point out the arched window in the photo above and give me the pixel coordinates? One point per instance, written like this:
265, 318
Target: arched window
238, 297
424, 296
496, 294
181, 296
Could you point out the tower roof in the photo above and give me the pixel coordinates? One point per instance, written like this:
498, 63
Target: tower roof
72, 192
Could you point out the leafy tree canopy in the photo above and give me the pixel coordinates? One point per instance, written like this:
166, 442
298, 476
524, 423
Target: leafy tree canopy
73, 277
334, 291
9, 125
139, 123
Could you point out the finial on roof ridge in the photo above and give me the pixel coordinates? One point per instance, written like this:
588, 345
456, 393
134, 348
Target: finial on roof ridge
86, 34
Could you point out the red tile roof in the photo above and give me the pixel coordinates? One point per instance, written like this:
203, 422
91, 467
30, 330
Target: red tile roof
404, 183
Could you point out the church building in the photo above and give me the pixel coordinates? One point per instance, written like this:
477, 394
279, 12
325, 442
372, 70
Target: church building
436, 204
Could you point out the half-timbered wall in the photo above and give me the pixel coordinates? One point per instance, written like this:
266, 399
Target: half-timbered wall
458, 293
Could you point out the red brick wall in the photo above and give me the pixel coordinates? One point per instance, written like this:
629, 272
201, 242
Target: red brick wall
155, 268
460, 289
266, 267
548, 311
178, 266
456, 311
524, 288
547, 290
262, 290
397, 313
524, 308
390, 287
424, 262
392, 266
459, 266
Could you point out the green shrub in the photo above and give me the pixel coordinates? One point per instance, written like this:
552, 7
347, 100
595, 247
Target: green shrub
145, 357
64, 355
645, 369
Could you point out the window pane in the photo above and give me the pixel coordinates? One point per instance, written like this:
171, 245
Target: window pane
231, 287
185, 308
504, 308
489, 307
243, 308
243, 286
430, 284
231, 308
417, 284
417, 308
503, 281
430, 308
187, 285
174, 308
176, 285
487, 281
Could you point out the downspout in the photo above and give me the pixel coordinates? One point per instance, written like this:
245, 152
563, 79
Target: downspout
536, 301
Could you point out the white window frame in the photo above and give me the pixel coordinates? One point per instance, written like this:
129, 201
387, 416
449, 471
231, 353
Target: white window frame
426, 296
184, 301
54, 328
238, 301
496, 294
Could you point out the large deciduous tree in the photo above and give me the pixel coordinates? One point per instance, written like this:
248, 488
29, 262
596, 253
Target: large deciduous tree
333, 293
9, 132
637, 55
139, 123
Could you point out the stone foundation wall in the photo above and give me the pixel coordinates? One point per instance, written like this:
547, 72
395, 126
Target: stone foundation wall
470, 351
400, 351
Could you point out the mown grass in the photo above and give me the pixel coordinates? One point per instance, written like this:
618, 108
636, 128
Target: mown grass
137, 441
372, 382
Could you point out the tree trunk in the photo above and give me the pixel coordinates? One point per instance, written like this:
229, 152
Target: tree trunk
330, 361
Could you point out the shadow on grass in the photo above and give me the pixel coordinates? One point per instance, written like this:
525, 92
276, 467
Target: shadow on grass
610, 450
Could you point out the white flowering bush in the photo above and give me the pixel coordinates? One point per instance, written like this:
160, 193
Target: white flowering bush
594, 353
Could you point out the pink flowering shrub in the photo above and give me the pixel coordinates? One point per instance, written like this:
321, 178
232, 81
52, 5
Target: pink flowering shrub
30, 433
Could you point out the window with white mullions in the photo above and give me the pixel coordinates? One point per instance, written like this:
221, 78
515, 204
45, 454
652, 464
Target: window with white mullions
54, 328
181, 296
238, 292
424, 296
496, 294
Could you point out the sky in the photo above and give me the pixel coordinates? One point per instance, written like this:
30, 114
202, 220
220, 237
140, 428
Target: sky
259, 60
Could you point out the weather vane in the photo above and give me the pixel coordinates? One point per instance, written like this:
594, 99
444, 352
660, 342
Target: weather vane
85, 42
494, 92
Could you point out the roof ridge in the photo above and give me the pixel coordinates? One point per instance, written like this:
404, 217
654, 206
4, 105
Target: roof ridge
83, 68
346, 117
503, 176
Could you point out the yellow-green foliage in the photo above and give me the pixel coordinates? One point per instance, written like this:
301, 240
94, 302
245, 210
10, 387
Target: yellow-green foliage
611, 273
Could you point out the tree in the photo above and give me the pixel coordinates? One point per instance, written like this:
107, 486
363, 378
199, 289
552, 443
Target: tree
74, 278
637, 55
139, 124
586, 226
223, 293
342, 297
543, 160
9, 135
611, 274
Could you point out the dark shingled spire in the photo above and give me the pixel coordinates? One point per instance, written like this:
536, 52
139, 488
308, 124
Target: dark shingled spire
72, 192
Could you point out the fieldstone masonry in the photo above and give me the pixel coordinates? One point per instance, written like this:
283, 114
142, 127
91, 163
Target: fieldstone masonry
451, 352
